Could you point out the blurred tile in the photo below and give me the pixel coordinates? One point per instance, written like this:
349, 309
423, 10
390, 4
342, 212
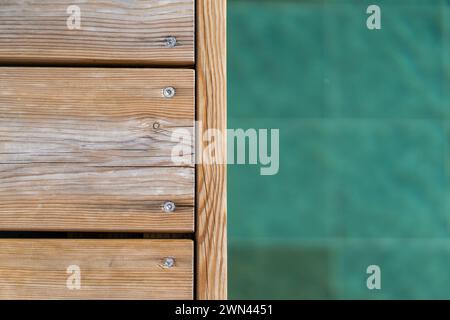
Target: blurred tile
445, 53
390, 178
347, 178
395, 72
409, 270
279, 272
275, 59
294, 204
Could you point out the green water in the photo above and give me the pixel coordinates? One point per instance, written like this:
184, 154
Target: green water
364, 119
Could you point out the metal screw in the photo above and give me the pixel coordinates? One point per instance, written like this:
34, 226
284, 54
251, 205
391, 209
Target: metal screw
168, 262
171, 42
169, 206
169, 92
156, 125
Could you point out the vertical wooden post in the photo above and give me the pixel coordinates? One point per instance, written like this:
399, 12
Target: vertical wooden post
211, 235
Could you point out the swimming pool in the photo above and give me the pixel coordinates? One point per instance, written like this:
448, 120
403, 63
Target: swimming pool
364, 149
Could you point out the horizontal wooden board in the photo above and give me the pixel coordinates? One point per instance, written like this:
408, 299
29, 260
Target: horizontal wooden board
110, 32
106, 269
88, 149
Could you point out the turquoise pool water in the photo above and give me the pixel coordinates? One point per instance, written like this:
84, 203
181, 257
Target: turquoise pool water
364, 149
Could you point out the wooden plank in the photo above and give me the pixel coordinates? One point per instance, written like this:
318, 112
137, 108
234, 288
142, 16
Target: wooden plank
108, 269
211, 234
132, 32
89, 149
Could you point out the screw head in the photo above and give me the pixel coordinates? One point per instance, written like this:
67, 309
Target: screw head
170, 42
169, 206
168, 262
169, 92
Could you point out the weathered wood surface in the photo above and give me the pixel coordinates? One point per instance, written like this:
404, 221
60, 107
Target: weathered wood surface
211, 97
90, 149
129, 32
109, 269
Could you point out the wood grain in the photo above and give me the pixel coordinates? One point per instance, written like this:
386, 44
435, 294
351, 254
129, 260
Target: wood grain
109, 269
89, 149
211, 244
131, 32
